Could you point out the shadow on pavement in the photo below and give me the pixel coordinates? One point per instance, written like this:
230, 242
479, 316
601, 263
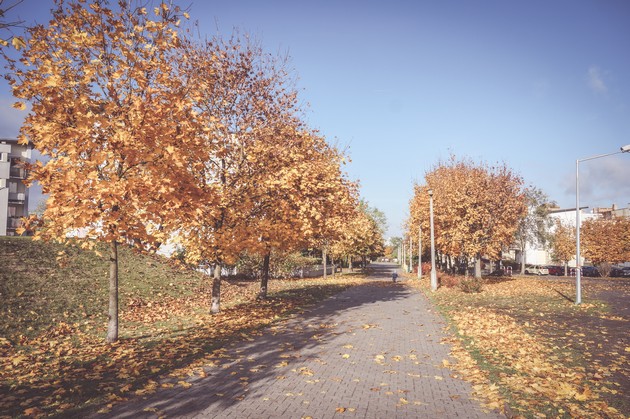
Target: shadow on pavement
246, 369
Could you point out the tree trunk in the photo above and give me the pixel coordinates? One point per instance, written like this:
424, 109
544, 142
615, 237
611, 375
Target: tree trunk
478, 266
324, 257
112, 323
522, 260
215, 306
264, 280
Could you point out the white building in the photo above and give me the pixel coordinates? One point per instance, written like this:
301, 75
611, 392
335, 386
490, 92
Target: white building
539, 255
13, 191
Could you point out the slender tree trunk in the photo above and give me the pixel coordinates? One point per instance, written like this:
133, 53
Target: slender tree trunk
112, 323
264, 280
324, 257
215, 306
522, 260
478, 266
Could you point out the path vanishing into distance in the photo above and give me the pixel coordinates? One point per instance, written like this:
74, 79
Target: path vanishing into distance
372, 351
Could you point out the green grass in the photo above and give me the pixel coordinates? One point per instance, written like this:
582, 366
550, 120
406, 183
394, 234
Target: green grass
582, 339
39, 290
54, 314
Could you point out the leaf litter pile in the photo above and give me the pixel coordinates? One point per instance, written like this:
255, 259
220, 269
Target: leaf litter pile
531, 352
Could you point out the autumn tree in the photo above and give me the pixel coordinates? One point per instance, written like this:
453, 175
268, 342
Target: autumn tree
533, 228
260, 161
362, 234
562, 242
116, 123
7, 24
394, 243
301, 199
476, 209
606, 240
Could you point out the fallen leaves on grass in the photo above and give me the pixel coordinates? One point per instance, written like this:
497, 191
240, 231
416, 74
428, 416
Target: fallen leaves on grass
505, 350
69, 365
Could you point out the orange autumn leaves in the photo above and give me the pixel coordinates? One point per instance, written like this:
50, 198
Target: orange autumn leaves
523, 345
106, 108
476, 208
606, 240
151, 136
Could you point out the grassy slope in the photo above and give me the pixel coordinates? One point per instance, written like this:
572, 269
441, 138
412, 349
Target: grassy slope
43, 283
53, 359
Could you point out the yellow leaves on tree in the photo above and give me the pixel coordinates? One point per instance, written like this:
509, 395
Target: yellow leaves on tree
361, 234
563, 243
476, 208
606, 240
265, 180
151, 137
106, 104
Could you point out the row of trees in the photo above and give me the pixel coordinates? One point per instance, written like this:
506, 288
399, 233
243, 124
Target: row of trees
482, 210
602, 241
152, 136
477, 210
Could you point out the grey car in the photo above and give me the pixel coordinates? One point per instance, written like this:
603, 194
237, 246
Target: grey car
536, 270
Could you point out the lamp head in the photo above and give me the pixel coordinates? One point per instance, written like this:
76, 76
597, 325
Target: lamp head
430, 192
625, 148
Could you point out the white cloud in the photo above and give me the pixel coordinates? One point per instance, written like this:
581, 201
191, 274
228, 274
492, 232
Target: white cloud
596, 80
602, 183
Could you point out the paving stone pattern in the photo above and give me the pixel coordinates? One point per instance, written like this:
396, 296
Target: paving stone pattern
373, 351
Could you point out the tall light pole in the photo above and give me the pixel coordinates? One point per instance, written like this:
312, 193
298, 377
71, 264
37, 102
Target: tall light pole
410, 252
433, 273
578, 259
420, 252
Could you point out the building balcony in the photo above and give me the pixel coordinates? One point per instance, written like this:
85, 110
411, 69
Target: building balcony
18, 173
13, 223
17, 197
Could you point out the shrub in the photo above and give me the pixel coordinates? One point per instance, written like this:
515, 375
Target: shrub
449, 281
471, 286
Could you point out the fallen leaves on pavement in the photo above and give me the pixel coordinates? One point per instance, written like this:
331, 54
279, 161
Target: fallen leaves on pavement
69, 367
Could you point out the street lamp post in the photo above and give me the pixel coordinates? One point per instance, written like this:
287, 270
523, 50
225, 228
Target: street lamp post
433, 273
578, 259
420, 252
410, 253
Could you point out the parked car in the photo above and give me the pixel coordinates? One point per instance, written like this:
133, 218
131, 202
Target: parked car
555, 270
590, 271
619, 272
501, 272
536, 270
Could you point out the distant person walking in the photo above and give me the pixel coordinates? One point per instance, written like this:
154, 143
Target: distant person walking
394, 276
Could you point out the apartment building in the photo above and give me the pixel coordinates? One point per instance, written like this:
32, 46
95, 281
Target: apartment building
13, 191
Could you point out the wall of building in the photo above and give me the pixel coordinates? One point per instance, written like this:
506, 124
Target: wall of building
13, 191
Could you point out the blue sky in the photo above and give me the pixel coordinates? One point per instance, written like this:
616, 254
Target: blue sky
402, 84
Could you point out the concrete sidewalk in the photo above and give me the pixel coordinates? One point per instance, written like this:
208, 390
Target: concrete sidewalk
373, 351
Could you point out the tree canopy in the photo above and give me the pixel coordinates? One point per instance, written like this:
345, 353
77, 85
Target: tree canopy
151, 137
477, 208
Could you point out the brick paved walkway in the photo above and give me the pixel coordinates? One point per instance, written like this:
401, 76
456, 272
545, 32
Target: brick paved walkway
373, 351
